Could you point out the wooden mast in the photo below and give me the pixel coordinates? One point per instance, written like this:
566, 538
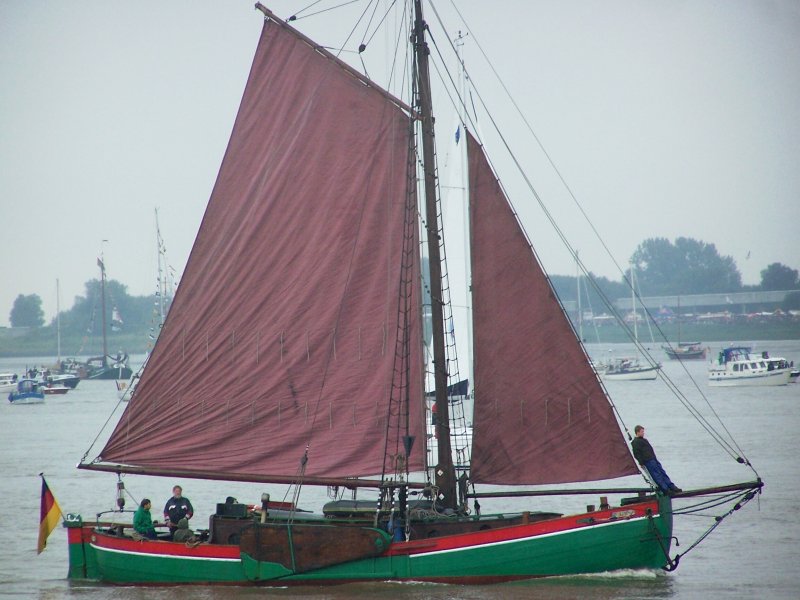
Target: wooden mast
445, 473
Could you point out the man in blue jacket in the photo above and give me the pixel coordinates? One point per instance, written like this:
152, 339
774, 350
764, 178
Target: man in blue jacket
177, 508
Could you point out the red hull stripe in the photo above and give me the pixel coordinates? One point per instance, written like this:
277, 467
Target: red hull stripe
139, 552
516, 539
160, 548
517, 532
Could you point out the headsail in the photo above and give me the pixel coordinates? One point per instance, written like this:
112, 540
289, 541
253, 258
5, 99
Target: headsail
540, 413
284, 330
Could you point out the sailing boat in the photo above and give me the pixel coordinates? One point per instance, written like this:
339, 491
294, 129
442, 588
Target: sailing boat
56, 377
292, 354
105, 366
685, 350
631, 368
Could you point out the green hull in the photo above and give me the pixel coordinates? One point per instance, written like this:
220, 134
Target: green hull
512, 553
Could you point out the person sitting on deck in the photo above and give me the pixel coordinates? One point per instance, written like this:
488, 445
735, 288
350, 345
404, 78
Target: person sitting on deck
183, 533
644, 453
143, 522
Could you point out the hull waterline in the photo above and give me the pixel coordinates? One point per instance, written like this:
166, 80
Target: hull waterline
765, 378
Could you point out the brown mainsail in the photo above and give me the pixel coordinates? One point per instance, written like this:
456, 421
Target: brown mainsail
284, 330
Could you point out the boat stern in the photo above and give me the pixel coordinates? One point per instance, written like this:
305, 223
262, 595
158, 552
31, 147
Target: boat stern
82, 558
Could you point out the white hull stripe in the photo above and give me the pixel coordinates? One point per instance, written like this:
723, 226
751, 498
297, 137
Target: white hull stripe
156, 555
750, 376
524, 539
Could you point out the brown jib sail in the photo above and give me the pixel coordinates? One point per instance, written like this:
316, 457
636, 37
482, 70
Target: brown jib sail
540, 413
284, 330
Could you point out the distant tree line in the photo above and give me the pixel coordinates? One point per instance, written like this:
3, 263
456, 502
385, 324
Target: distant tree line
662, 268
123, 311
685, 267
27, 311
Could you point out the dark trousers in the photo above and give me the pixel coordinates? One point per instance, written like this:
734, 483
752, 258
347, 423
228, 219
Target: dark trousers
659, 476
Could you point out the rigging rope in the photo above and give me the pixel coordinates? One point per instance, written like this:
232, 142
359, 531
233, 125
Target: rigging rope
745, 497
296, 17
99, 433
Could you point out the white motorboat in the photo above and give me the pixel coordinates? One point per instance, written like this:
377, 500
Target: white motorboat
736, 366
8, 382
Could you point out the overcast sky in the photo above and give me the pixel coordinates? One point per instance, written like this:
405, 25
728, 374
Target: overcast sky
665, 119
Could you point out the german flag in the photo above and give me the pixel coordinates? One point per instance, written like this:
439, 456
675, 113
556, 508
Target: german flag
49, 515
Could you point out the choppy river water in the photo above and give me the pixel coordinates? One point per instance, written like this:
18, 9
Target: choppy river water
755, 553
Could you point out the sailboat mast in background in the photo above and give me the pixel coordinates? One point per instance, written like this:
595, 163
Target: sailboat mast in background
162, 276
102, 266
58, 323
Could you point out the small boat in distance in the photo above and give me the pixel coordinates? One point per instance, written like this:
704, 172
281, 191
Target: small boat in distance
54, 389
686, 351
629, 369
67, 380
736, 366
28, 392
106, 366
109, 367
8, 382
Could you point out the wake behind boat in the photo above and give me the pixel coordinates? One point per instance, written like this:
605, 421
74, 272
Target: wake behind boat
303, 365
